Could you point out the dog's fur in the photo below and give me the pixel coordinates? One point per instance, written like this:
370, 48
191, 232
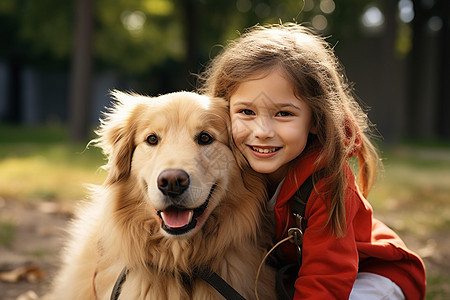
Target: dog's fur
121, 226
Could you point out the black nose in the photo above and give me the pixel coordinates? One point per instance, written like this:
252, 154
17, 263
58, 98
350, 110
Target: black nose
173, 182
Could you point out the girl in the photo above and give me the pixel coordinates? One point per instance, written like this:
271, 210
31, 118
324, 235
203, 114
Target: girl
293, 114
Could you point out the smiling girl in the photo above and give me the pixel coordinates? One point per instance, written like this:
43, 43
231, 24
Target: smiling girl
294, 116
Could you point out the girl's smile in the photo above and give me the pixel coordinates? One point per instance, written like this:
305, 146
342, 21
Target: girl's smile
270, 124
264, 151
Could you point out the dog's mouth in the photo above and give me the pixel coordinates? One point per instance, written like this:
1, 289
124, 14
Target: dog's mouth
177, 220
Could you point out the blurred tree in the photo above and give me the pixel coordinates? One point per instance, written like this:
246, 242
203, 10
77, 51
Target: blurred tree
135, 35
44, 30
443, 120
31, 33
81, 71
430, 57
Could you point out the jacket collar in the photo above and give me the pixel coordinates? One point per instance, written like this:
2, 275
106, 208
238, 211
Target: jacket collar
298, 173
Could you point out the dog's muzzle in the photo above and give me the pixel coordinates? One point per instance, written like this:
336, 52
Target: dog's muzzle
178, 219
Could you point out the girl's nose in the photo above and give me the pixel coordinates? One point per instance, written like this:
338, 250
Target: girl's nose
263, 129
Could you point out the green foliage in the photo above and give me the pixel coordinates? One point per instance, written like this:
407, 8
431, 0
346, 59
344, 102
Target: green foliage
36, 31
46, 26
134, 36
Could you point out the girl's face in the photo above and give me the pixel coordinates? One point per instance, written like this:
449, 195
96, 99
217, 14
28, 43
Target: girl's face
270, 125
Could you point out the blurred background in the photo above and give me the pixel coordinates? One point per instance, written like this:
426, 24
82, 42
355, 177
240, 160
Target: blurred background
59, 59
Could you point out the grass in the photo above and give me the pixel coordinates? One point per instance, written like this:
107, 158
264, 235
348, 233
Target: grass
416, 181
37, 163
7, 232
411, 195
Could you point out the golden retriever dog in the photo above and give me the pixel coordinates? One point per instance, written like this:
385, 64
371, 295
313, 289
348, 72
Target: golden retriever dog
174, 202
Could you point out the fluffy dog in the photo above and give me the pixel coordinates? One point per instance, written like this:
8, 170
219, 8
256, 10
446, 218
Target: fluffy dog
174, 201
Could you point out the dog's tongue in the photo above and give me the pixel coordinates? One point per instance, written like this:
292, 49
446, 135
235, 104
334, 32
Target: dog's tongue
176, 218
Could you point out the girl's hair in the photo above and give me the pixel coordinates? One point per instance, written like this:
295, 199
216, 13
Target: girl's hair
309, 62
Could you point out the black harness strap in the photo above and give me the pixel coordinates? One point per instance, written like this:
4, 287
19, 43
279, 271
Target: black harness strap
118, 285
217, 282
288, 273
212, 278
300, 198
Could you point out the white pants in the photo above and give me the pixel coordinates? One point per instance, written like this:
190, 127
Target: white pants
369, 286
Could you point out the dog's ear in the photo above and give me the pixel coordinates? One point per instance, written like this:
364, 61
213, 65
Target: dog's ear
116, 135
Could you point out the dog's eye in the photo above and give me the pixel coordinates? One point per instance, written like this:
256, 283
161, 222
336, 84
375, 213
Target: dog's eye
204, 138
152, 139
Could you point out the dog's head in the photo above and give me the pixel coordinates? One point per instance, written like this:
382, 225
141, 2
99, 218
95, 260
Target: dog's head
175, 149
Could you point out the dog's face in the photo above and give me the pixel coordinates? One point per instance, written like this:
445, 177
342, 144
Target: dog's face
175, 148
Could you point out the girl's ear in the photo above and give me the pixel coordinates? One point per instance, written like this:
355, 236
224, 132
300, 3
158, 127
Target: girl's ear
117, 136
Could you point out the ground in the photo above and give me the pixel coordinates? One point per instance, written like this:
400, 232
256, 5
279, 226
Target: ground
38, 242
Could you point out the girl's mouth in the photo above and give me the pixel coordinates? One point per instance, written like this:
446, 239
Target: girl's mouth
264, 150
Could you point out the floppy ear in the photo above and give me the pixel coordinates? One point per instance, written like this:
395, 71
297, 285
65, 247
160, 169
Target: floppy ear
117, 135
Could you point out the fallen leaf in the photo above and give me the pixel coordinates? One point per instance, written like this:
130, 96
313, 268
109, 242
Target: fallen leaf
30, 295
30, 273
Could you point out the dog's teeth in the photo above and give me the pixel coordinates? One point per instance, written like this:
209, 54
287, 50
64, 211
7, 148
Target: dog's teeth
191, 213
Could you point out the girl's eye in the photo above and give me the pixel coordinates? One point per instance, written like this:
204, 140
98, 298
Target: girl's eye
152, 139
204, 138
247, 112
284, 114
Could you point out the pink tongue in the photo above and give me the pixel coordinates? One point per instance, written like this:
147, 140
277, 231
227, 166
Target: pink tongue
176, 218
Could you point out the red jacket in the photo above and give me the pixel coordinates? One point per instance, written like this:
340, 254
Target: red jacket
330, 264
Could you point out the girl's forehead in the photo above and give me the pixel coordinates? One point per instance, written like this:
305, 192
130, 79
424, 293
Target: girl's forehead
265, 102
267, 86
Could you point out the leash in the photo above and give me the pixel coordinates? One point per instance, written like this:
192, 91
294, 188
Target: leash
206, 274
264, 260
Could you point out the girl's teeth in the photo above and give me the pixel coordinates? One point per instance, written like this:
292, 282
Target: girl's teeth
264, 150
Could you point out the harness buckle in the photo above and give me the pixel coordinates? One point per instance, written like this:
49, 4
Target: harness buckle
296, 237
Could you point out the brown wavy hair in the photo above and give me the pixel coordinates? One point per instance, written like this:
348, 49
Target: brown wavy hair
318, 78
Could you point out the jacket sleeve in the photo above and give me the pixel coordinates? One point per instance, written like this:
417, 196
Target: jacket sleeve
329, 264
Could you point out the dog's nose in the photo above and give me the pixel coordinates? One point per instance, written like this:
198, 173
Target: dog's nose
173, 182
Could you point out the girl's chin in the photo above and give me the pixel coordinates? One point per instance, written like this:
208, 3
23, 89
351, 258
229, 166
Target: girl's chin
275, 173
264, 169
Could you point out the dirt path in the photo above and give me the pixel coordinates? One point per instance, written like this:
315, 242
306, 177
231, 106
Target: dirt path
39, 231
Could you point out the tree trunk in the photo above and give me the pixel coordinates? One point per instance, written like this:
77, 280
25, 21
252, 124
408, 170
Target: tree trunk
443, 120
81, 71
417, 69
190, 32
